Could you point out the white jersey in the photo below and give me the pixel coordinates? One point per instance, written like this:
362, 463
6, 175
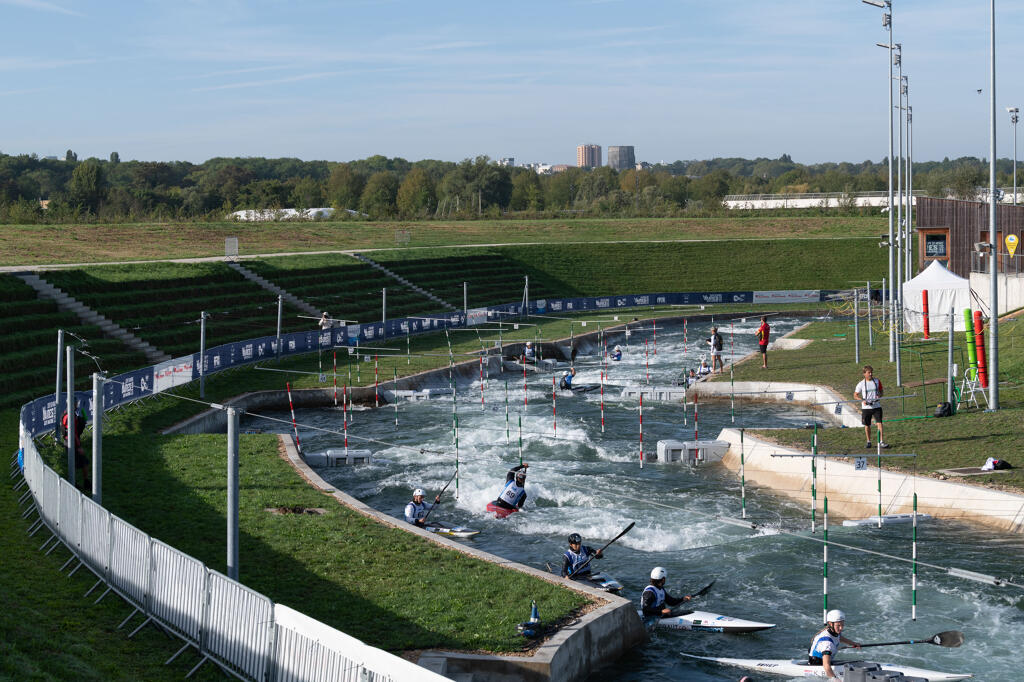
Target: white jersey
824, 643
415, 511
659, 596
512, 493
869, 392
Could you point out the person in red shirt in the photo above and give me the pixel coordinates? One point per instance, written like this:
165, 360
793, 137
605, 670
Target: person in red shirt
763, 333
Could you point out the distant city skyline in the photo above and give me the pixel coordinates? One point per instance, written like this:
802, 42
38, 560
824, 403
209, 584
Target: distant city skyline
680, 80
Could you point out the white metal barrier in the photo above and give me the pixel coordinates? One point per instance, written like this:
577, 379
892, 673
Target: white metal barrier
240, 630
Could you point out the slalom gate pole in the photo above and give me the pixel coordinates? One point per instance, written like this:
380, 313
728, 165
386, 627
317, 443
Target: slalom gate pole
913, 556
554, 412
520, 440
376, 382
291, 406
684, 404
506, 413
814, 477
824, 565
602, 402
647, 361
456, 457
732, 383
319, 359
641, 429
348, 364
684, 336
743, 479
344, 416
335, 353
695, 420
408, 344
526, 403
924, 305
482, 408
394, 398
655, 336
871, 338
359, 377
879, 448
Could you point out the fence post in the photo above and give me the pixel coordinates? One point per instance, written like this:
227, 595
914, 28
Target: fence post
232, 493
202, 354
97, 437
280, 309
69, 353
60, 375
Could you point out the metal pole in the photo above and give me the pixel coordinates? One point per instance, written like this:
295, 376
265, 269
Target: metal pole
60, 375
280, 311
892, 264
743, 477
1014, 115
233, 493
97, 438
856, 325
993, 345
950, 376
465, 300
910, 186
899, 172
69, 353
202, 354
384, 311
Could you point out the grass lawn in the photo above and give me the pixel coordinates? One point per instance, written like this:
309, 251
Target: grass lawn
93, 243
963, 440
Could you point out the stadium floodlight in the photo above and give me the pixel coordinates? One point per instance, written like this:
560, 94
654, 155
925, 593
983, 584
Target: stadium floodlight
875, 3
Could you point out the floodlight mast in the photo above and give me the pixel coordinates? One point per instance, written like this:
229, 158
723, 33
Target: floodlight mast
993, 350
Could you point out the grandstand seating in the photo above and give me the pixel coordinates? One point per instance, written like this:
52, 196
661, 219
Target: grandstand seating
164, 310
28, 345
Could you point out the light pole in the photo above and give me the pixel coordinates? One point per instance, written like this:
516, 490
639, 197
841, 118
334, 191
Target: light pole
993, 345
1014, 111
887, 24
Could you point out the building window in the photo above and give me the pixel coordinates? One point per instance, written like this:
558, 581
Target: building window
935, 246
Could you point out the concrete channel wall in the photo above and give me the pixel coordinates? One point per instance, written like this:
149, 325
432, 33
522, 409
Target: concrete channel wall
575, 652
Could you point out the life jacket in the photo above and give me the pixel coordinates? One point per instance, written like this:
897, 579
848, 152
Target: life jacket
823, 643
511, 494
577, 559
418, 511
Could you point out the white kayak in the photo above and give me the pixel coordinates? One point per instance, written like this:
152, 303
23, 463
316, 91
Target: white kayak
800, 668
451, 531
603, 581
705, 621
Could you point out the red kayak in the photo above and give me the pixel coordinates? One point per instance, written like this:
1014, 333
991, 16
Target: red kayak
500, 512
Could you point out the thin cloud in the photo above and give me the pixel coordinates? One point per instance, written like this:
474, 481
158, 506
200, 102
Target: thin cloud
276, 81
11, 93
455, 45
30, 63
41, 6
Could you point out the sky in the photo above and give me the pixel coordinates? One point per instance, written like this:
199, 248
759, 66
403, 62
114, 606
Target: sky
340, 80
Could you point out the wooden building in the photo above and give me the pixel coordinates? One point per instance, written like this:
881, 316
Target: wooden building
947, 230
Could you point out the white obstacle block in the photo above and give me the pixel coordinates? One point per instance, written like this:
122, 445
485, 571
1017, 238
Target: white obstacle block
666, 394
335, 457
691, 452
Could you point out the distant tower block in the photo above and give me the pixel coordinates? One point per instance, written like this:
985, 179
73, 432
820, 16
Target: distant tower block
621, 158
588, 155
508, 161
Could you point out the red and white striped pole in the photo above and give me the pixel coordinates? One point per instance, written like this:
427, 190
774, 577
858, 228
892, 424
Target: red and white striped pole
335, 378
647, 360
695, 418
655, 336
554, 412
481, 382
526, 403
295, 427
344, 415
602, 402
376, 382
641, 429
924, 305
684, 336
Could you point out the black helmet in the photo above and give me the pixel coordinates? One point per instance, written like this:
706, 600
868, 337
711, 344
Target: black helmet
575, 539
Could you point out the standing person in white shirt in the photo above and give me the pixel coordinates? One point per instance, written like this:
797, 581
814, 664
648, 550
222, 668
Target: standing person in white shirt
868, 391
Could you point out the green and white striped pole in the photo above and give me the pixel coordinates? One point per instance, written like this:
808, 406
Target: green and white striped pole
913, 576
520, 439
743, 477
879, 482
814, 476
456, 457
824, 565
506, 413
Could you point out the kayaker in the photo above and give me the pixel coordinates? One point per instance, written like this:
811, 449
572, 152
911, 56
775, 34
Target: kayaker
417, 509
529, 354
513, 495
825, 644
617, 353
655, 600
567, 377
576, 556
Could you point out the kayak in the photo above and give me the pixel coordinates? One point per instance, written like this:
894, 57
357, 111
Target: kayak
800, 668
585, 388
705, 621
600, 580
451, 531
500, 512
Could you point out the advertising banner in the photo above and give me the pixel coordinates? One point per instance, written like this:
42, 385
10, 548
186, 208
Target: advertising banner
804, 296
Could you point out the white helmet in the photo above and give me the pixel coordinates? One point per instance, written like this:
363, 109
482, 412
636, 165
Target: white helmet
835, 616
529, 343
565, 373
418, 492
659, 573
618, 348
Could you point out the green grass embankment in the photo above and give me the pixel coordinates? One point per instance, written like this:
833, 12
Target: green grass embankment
91, 243
960, 441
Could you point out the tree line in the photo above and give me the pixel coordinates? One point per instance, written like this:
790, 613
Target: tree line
111, 190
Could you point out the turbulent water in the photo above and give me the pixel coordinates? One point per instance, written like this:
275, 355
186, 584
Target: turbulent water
592, 483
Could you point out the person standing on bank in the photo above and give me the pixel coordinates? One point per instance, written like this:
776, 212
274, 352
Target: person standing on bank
826, 643
763, 332
325, 322
82, 462
716, 344
416, 510
868, 391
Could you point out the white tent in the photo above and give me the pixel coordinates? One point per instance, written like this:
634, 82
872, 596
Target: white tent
945, 291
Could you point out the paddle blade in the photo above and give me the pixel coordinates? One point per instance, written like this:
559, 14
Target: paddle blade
705, 590
950, 638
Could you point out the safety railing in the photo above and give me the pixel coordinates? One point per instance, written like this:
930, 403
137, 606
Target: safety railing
238, 629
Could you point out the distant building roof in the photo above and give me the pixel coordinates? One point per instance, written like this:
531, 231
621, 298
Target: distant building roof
276, 214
